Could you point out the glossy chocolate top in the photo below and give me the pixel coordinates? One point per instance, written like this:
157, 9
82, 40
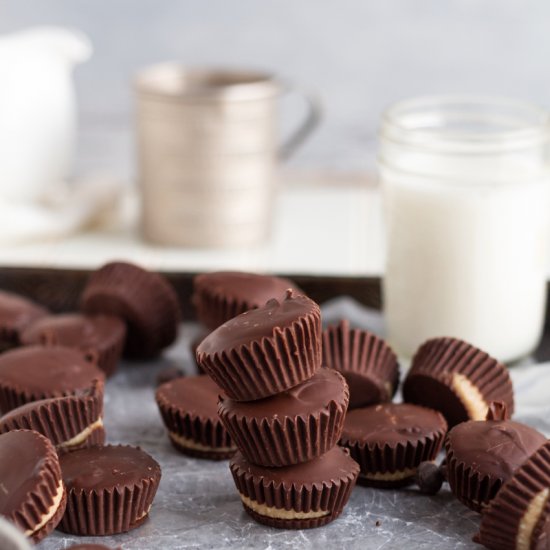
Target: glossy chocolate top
496, 448
308, 398
252, 288
109, 466
194, 395
47, 370
327, 468
74, 330
24, 456
17, 312
258, 323
391, 423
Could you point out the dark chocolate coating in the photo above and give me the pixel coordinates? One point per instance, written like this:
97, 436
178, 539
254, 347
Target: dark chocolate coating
144, 300
482, 455
256, 324
222, 295
16, 313
99, 333
30, 477
265, 351
429, 478
308, 398
168, 374
37, 372
188, 407
101, 468
391, 424
196, 395
294, 426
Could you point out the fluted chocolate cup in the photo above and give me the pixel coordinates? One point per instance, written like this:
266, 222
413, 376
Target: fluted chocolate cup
69, 422
518, 517
302, 496
390, 440
482, 455
110, 489
458, 379
264, 351
369, 365
222, 295
294, 426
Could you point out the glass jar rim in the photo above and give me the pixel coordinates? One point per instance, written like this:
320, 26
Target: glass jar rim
465, 123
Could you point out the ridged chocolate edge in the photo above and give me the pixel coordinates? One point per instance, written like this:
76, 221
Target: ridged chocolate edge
440, 358
473, 489
382, 459
209, 432
147, 299
59, 419
329, 496
501, 519
269, 366
54, 521
361, 352
109, 511
39, 501
284, 440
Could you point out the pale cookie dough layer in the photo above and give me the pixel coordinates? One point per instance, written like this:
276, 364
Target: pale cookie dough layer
51, 512
83, 435
530, 519
389, 476
280, 513
471, 397
195, 446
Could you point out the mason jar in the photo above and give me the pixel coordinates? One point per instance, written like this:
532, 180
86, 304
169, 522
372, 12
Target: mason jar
466, 189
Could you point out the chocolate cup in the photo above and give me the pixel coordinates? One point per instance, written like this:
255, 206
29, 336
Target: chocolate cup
389, 441
265, 351
144, 300
100, 334
321, 486
105, 496
292, 427
367, 362
34, 373
222, 295
188, 407
439, 370
505, 517
61, 419
16, 313
482, 455
29, 469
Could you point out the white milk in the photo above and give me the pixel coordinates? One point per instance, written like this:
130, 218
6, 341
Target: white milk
468, 242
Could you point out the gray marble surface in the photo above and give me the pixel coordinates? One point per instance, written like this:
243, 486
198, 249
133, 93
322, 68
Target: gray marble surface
197, 505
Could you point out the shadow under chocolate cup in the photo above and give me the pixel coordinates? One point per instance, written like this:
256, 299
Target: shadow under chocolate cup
368, 364
458, 379
390, 441
294, 426
302, 496
188, 407
264, 351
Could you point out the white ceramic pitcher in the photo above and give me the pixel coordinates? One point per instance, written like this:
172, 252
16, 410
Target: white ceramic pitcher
37, 109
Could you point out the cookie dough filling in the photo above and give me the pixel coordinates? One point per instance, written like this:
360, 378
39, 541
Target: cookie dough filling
57, 499
194, 445
280, 513
530, 519
471, 397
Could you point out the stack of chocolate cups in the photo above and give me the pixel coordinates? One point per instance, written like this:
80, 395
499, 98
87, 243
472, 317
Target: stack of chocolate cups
284, 412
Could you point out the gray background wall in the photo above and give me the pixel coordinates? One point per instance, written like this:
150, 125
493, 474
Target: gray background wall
359, 55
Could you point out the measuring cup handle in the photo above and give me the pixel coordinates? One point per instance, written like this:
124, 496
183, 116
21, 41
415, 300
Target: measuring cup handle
313, 115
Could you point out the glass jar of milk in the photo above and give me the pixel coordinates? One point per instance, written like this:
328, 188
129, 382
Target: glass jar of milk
467, 200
